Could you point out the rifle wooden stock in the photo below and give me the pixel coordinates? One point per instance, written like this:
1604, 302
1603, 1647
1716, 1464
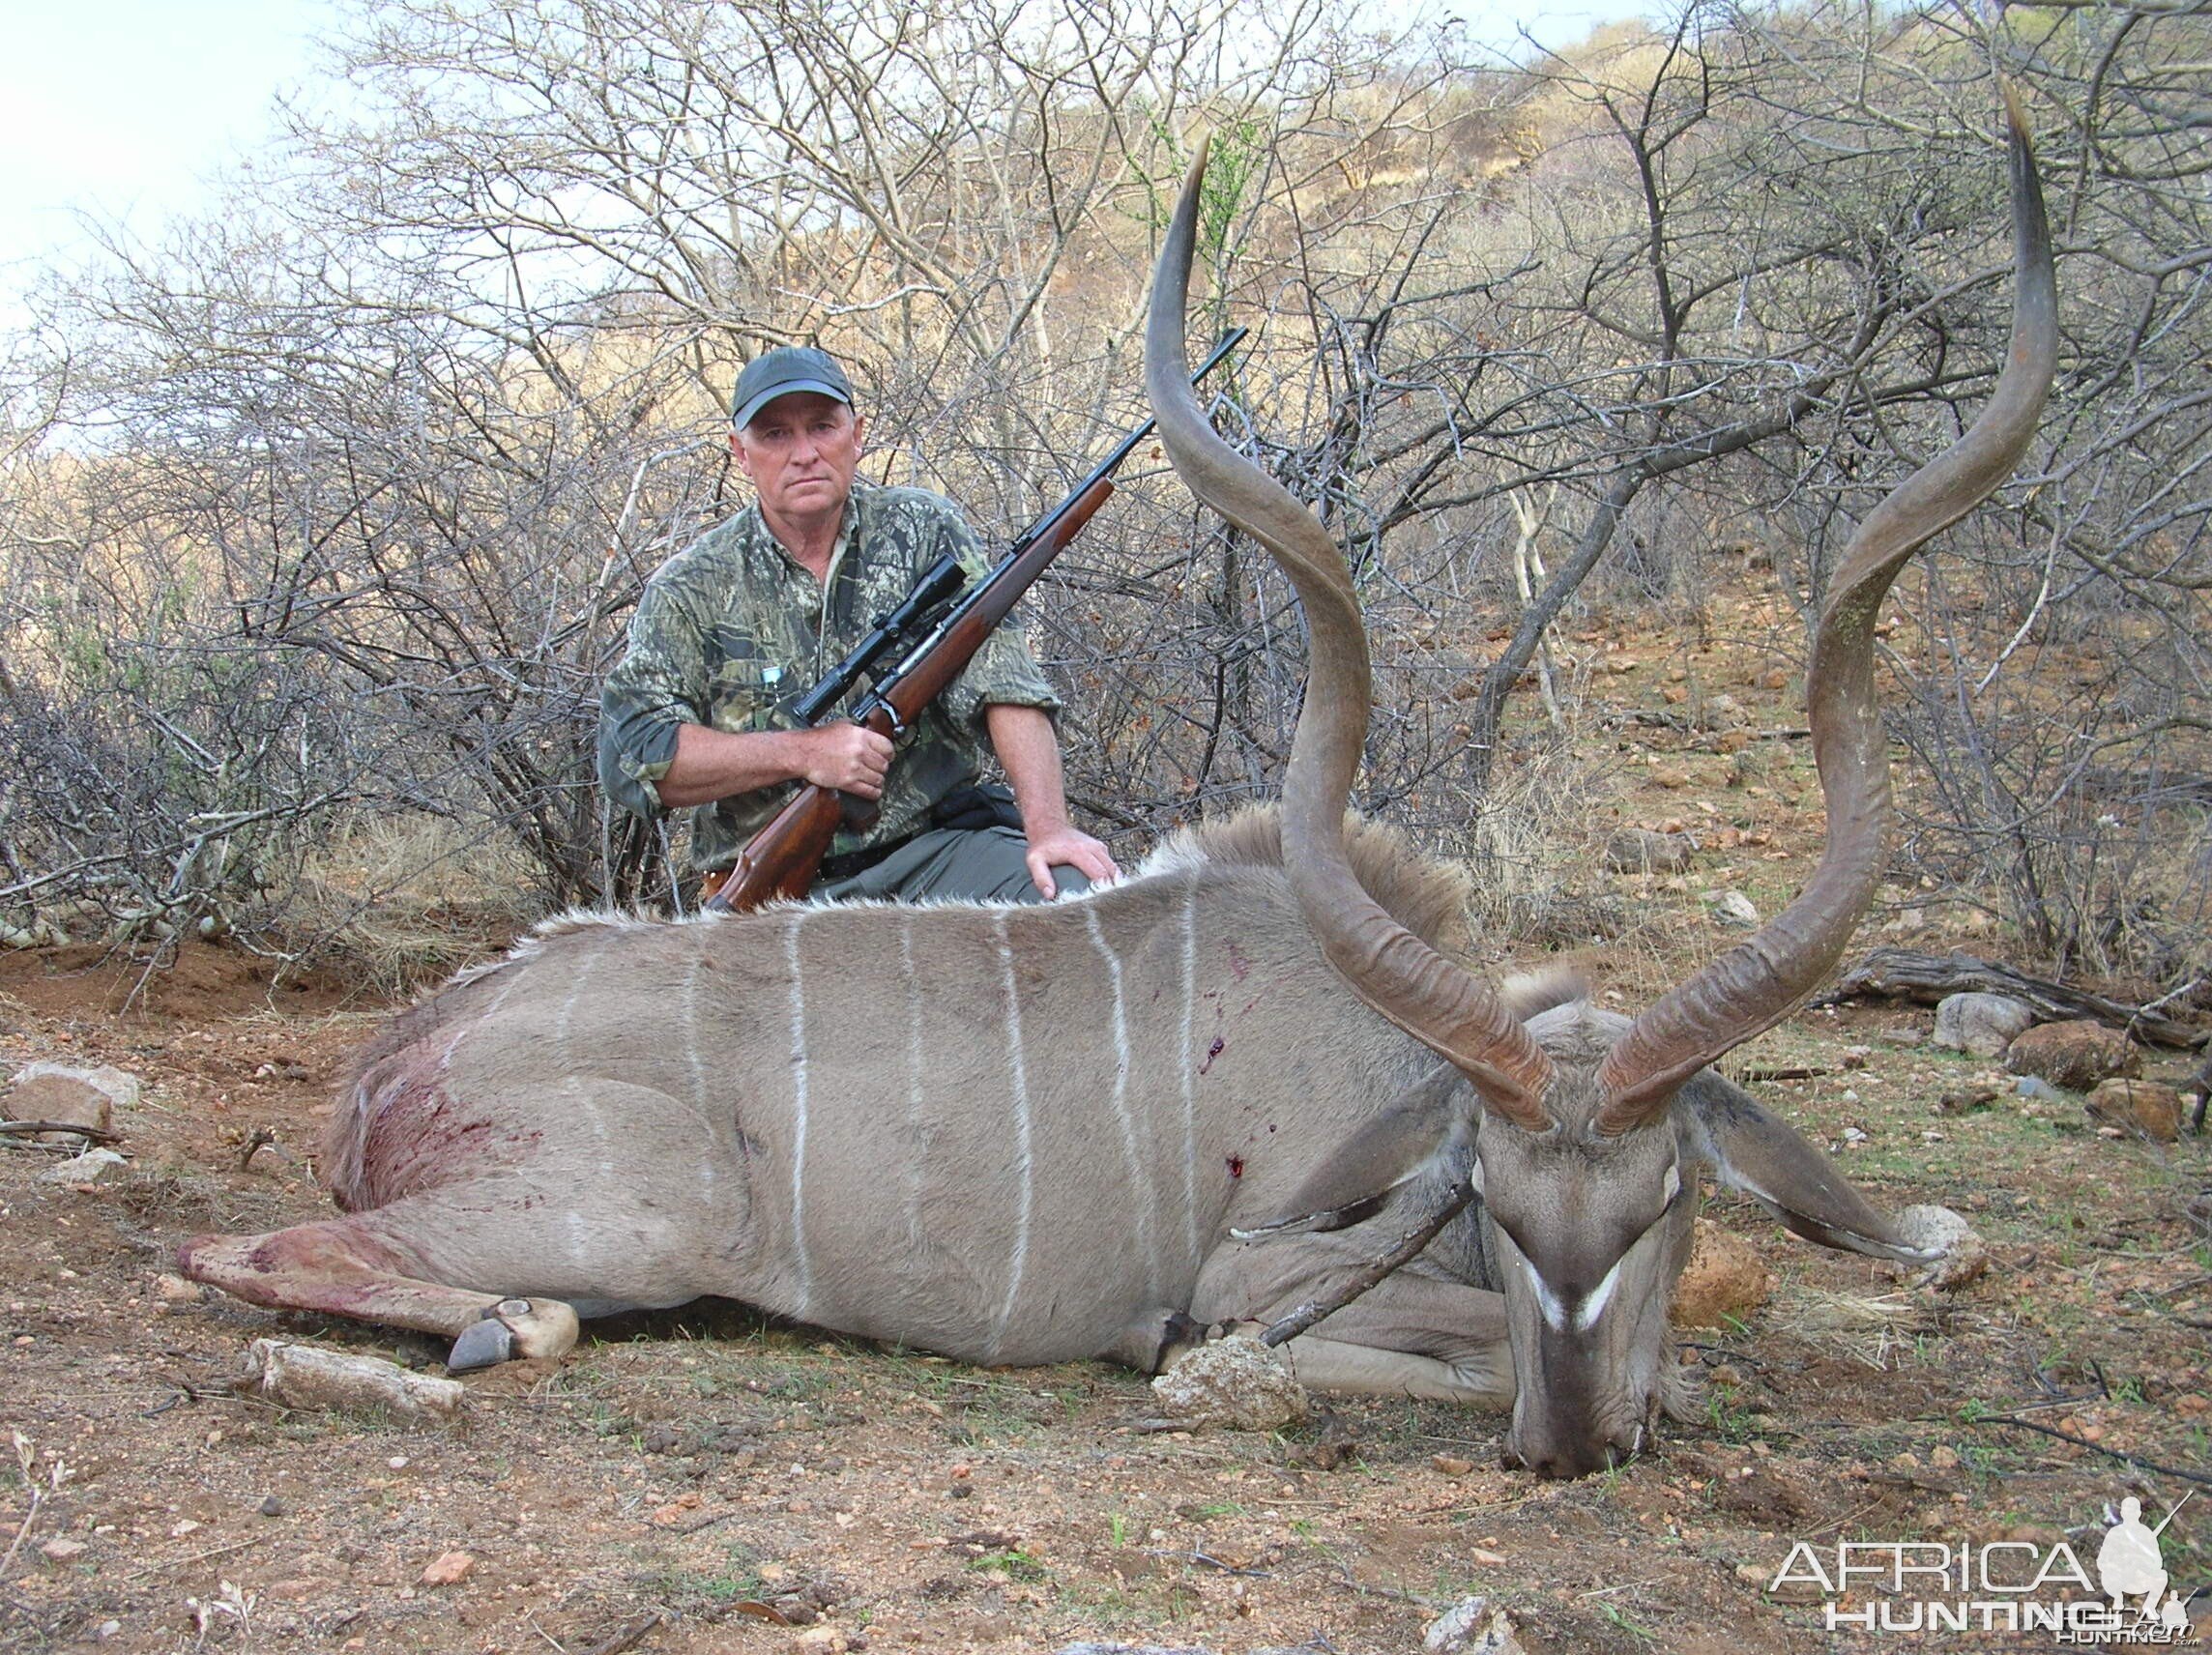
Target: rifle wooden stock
781, 859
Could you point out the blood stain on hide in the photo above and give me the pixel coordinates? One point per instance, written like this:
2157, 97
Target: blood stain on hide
1213, 1052
1239, 965
1235, 1166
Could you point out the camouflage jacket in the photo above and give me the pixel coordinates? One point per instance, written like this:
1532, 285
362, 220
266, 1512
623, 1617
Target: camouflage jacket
731, 629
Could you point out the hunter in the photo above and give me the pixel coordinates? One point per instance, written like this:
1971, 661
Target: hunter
754, 612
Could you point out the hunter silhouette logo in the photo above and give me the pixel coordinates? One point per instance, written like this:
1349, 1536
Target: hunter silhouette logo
2129, 1565
2002, 1586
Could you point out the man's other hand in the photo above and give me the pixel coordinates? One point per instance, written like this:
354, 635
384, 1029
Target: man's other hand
850, 758
1069, 848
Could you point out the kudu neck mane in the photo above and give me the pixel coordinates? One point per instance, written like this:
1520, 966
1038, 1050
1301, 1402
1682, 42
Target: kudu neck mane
1427, 896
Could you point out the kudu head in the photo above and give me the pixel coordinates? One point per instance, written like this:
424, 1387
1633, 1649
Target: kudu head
1582, 1170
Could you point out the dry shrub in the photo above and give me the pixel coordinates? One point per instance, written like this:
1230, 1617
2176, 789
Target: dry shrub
1536, 850
407, 900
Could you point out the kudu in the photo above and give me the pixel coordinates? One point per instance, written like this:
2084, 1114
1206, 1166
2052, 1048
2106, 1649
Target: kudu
1029, 1135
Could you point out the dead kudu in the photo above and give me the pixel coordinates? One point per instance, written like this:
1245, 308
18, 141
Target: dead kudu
1029, 1135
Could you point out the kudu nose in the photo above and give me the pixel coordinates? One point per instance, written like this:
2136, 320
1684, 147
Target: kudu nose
1563, 1464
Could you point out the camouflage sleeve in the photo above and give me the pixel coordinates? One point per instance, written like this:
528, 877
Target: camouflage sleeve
658, 686
1004, 672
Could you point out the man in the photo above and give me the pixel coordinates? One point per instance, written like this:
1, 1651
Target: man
728, 630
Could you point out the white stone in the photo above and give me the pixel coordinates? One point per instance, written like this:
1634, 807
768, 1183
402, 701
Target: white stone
1731, 908
1472, 1626
1235, 1381
1981, 1025
80, 1097
1962, 1254
88, 1168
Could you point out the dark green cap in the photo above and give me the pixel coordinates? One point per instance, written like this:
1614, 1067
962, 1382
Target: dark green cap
781, 372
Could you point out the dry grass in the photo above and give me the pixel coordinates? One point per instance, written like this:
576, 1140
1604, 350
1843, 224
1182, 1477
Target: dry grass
408, 900
1537, 852
1872, 1330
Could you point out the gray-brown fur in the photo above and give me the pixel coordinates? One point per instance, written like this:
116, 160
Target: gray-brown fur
613, 1116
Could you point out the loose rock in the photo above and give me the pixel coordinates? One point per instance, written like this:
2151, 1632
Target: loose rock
1640, 849
301, 1376
89, 1167
62, 1549
1235, 1381
2137, 1106
449, 1569
1962, 1254
1981, 1025
1723, 1278
1965, 1099
1472, 1626
2074, 1054
82, 1097
1731, 908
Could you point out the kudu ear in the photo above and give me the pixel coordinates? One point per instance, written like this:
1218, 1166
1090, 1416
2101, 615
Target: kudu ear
1382, 1154
1751, 1151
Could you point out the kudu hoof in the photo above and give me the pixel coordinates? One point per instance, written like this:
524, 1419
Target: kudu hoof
513, 1327
486, 1345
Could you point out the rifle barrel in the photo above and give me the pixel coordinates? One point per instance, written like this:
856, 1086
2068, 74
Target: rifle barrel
1123, 449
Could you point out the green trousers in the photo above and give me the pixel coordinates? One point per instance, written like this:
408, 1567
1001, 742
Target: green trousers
981, 866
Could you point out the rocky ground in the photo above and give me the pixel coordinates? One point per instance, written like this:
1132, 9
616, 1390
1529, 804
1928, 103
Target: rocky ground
704, 1481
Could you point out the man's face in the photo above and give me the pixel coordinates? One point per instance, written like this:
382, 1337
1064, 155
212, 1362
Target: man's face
801, 453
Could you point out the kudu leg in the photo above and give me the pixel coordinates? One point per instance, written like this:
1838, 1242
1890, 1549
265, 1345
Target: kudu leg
1409, 1334
1412, 1335
1364, 1370
341, 1268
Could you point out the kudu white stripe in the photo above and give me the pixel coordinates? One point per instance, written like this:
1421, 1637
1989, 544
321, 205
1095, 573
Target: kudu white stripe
1140, 1194
491, 1011
802, 1269
1018, 1079
1189, 1063
577, 1094
697, 1065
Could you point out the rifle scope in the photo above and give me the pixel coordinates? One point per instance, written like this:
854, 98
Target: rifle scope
939, 584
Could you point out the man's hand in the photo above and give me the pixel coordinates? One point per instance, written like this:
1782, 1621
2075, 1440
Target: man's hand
1069, 848
1030, 752
713, 764
850, 758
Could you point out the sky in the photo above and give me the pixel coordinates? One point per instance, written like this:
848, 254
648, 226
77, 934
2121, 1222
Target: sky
125, 110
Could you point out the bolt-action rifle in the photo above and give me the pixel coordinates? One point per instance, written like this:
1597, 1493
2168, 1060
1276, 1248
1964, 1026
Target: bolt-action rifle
931, 636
